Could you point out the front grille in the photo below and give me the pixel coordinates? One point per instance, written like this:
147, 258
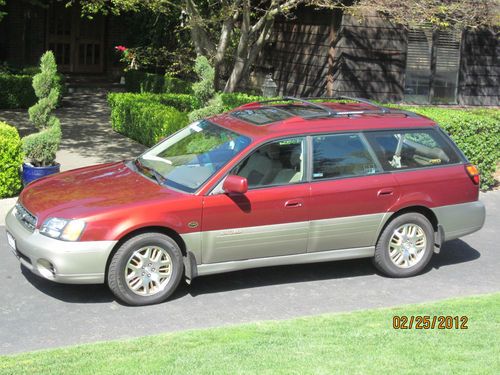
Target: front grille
26, 218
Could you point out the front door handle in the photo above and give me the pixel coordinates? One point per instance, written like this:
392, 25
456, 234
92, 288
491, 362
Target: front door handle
293, 203
383, 192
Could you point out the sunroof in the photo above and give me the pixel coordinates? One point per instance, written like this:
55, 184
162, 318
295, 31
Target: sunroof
268, 115
262, 116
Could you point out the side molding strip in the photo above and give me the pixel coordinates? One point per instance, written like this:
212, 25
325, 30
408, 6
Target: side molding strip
322, 256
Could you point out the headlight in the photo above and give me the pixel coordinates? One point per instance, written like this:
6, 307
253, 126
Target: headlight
67, 230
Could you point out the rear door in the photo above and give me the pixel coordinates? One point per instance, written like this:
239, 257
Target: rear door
272, 218
350, 195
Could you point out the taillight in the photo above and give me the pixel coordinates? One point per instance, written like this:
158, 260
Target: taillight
473, 173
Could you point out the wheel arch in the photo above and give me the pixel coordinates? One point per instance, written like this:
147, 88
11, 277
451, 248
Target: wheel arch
148, 229
423, 210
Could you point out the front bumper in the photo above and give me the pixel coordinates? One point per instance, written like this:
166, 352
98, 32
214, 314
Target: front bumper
60, 261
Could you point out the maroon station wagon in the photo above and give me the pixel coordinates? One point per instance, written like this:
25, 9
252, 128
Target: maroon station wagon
297, 181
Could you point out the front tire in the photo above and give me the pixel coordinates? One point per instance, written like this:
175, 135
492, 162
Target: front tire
405, 246
146, 269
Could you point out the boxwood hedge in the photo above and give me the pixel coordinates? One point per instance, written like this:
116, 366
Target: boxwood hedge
147, 118
16, 91
11, 159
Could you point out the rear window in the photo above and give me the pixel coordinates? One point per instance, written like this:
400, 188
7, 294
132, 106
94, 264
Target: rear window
411, 149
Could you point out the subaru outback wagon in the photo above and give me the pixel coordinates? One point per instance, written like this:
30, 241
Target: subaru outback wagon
267, 184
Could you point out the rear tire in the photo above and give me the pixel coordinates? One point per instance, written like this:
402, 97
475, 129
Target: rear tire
146, 269
405, 246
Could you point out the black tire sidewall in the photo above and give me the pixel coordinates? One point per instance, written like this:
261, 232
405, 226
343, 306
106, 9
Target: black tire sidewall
382, 258
116, 271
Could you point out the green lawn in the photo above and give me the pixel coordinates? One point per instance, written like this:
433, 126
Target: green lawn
362, 342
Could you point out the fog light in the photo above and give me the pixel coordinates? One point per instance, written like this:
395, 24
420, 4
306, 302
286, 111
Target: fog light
46, 269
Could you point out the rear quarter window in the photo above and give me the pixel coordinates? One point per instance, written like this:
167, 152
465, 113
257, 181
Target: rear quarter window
408, 149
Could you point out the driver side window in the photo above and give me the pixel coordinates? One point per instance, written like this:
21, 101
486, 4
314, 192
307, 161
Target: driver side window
276, 163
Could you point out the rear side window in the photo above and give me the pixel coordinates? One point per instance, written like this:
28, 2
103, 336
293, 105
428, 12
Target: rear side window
411, 149
341, 155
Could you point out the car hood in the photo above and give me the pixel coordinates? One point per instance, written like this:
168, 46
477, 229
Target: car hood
92, 190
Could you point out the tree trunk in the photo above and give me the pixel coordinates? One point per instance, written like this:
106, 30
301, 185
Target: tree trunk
248, 54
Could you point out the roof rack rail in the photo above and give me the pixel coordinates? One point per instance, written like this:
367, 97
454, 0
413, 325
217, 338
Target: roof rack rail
359, 100
329, 111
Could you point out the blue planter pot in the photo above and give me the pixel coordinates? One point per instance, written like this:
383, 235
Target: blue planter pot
31, 173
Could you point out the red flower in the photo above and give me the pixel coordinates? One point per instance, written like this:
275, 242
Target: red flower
121, 48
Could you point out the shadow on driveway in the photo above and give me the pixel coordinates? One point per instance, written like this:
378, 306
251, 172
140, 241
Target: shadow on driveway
453, 252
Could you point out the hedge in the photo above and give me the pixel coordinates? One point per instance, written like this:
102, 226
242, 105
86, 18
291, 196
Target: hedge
146, 121
11, 159
142, 82
16, 91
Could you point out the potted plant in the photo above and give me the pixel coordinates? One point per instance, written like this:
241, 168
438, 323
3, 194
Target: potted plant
40, 148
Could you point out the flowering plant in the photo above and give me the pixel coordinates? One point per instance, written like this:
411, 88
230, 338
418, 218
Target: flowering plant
127, 56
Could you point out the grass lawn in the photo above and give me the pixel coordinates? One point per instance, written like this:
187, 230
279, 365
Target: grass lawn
362, 342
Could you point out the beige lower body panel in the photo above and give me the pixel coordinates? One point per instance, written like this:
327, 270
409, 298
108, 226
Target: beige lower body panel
458, 220
345, 232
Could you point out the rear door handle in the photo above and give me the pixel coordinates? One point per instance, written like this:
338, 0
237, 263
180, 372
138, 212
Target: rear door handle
383, 192
292, 203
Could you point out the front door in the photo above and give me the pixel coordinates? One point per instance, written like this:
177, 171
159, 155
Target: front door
350, 196
77, 42
271, 219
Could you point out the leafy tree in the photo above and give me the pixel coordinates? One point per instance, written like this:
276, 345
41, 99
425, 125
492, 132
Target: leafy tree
437, 13
241, 28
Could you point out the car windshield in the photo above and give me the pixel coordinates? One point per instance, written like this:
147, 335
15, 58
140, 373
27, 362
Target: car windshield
187, 159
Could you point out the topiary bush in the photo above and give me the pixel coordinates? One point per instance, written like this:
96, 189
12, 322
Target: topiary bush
40, 148
204, 89
11, 159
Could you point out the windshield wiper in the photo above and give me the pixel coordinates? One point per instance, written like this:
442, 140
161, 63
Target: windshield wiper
150, 171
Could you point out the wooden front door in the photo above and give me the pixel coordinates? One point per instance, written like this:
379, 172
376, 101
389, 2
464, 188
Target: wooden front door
77, 42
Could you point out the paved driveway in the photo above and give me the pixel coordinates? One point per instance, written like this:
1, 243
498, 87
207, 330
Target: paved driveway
36, 314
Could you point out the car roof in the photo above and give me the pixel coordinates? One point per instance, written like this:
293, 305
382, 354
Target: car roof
327, 117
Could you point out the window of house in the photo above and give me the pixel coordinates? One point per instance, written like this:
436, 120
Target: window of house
276, 163
341, 155
411, 149
432, 65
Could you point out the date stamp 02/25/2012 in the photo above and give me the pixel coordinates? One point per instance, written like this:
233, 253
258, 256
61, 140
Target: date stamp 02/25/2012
430, 322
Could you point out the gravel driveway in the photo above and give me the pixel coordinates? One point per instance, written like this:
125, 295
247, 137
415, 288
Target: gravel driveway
36, 314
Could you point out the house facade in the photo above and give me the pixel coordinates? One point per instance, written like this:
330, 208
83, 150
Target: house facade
80, 45
318, 53
314, 53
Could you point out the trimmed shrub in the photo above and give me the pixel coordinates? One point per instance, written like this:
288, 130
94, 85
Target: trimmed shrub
141, 82
11, 159
221, 103
41, 147
148, 118
233, 100
176, 85
204, 89
16, 91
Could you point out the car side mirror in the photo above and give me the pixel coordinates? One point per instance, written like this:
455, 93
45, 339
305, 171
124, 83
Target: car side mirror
235, 184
